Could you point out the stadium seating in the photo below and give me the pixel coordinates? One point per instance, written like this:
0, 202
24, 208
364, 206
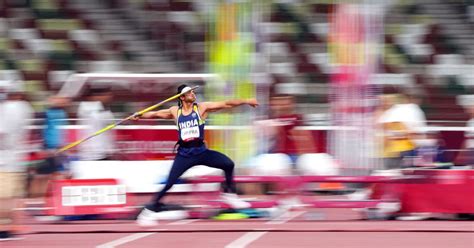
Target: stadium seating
428, 46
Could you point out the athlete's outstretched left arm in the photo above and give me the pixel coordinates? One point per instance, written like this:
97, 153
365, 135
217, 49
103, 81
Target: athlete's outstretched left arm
207, 107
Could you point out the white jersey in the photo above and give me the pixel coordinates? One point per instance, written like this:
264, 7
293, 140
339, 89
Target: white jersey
15, 116
94, 117
409, 114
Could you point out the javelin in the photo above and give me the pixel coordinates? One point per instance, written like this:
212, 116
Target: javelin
75, 143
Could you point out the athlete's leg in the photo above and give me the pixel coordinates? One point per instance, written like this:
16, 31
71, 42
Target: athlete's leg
218, 160
180, 165
148, 216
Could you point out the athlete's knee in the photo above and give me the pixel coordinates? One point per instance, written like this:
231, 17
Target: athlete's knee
229, 165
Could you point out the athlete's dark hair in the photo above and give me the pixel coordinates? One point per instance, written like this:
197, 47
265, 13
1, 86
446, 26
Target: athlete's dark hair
180, 88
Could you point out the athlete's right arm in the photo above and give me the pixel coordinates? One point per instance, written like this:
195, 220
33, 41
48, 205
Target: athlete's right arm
169, 113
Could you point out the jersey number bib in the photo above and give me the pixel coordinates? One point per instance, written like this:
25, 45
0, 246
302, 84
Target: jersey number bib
190, 133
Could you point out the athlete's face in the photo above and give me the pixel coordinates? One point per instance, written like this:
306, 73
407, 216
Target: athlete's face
189, 97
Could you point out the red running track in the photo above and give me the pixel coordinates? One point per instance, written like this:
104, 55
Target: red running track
340, 228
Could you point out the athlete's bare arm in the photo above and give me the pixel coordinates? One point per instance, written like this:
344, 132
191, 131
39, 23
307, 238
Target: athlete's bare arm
207, 107
169, 113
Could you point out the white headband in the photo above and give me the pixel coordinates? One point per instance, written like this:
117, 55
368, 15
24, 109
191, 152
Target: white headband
185, 89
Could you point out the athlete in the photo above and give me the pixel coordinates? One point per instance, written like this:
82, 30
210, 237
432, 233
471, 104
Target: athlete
190, 118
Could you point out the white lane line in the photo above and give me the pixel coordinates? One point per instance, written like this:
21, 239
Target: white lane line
124, 240
285, 217
183, 222
245, 239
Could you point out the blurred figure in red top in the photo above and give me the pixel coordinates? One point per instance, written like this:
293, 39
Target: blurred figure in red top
282, 136
286, 138
278, 135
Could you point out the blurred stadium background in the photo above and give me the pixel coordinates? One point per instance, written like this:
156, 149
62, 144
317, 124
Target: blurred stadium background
423, 47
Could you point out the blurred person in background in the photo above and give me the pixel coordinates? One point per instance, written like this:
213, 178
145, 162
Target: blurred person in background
52, 165
401, 124
466, 156
280, 135
190, 118
95, 114
430, 151
286, 138
15, 116
55, 117
400, 120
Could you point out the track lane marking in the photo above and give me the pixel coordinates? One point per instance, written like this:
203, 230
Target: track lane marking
183, 222
285, 218
124, 240
249, 237
245, 239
